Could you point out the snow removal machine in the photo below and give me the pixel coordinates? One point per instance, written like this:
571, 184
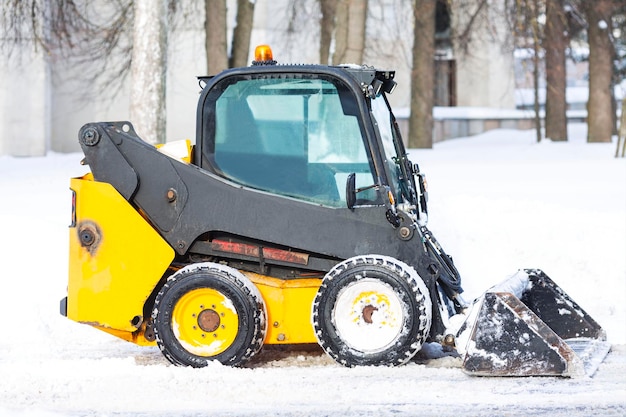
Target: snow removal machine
295, 218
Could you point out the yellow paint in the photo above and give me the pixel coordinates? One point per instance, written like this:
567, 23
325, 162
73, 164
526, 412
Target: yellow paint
187, 323
110, 280
179, 149
136, 337
288, 304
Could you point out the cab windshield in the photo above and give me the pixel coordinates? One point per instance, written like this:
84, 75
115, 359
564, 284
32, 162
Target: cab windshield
293, 135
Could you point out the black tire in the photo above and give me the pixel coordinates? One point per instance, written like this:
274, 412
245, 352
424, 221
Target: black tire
372, 310
208, 312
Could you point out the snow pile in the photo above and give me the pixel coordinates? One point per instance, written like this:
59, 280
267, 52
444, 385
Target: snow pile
498, 202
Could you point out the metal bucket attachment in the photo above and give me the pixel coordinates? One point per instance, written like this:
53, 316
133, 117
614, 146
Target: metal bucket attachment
529, 326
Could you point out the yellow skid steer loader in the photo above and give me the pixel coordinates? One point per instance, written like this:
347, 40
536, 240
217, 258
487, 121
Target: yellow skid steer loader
295, 218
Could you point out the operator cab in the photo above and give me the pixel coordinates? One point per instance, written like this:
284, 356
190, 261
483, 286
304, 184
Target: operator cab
319, 134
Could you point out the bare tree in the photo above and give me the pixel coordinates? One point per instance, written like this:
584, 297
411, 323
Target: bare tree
351, 17
328, 9
149, 69
555, 44
619, 22
422, 75
524, 25
472, 10
215, 30
536, 41
241, 34
600, 115
68, 41
621, 136
88, 37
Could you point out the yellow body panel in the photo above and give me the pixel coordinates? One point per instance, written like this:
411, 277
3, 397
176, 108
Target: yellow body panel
111, 279
112, 275
288, 304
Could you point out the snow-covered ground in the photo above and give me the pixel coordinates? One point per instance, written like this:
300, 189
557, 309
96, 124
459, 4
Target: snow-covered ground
498, 202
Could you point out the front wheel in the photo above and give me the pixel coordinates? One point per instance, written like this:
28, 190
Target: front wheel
209, 312
372, 310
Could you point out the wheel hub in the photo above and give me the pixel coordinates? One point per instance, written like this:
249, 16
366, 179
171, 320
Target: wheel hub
209, 320
205, 322
368, 310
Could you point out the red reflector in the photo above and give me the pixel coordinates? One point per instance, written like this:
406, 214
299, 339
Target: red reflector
286, 256
255, 251
233, 247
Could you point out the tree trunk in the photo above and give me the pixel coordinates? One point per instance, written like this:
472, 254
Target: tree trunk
599, 107
215, 33
536, 47
621, 136
328, 10
241, 34
423, 75
350, 32
148, 70
555, 43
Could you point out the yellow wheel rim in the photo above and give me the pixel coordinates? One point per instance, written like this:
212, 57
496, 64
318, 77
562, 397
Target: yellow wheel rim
205, 322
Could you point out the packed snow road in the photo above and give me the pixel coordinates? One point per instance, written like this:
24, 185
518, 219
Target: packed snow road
498, 202
115, 379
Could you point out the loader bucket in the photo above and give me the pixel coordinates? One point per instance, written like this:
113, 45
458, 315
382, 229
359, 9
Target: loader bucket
528, 326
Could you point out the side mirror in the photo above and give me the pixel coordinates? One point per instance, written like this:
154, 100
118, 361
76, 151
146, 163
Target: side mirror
351, 190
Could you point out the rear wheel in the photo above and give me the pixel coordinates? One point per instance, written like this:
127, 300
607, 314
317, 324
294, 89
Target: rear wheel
372, 310
209, 312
